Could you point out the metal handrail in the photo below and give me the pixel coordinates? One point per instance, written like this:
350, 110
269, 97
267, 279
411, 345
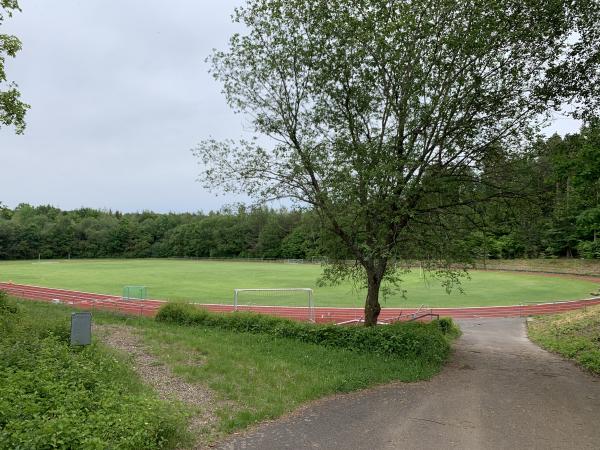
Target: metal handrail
418, 314
430, 313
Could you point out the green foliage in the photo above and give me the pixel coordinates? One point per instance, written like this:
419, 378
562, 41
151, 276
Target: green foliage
27, 232
407, 340
589, 250
53, 395
575, 335
447, 326
5, 306
12, 109
557, 213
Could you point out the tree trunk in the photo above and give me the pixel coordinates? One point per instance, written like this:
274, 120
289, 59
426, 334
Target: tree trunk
372, 307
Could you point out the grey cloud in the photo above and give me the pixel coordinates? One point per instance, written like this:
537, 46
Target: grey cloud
120, 93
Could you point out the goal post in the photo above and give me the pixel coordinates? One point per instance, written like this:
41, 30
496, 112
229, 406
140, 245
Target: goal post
134, 293
277, 297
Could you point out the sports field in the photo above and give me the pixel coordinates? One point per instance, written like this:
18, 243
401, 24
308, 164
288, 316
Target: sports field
214, 281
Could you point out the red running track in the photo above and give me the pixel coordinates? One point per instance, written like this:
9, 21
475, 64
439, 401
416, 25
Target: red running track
91, 301
83, 300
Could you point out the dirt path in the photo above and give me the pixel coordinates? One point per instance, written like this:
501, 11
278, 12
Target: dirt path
157, 375
500, 391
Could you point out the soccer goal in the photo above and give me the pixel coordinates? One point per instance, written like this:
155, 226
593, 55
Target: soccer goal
299, 297
134, 293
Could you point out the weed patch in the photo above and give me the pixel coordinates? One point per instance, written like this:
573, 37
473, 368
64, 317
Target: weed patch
575, 335
54, 395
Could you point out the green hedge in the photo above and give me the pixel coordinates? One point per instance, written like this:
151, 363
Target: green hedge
53, 395
424, 340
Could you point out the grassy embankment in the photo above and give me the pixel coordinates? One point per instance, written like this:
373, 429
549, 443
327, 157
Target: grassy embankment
574, 334
550, 265
259, 374
214, 281
254, 375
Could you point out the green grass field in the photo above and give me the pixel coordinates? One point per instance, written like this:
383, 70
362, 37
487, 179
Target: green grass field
214, 281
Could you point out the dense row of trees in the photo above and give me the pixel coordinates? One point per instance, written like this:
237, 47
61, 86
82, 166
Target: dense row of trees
558, 213
558, 217
48, 232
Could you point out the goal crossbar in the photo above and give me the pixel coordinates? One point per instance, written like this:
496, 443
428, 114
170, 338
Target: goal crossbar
309, 293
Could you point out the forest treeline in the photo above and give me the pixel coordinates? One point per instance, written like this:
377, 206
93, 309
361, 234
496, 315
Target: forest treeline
558, 216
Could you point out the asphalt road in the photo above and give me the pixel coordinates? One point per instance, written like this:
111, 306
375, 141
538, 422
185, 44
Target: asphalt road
500, 391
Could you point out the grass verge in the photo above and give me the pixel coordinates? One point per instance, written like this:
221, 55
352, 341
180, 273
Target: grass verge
54, 395
574, 334
263, 367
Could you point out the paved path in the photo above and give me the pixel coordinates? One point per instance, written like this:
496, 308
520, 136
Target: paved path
499, 391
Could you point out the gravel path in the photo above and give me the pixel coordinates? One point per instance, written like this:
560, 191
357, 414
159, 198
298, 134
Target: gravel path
500, 391
157, 375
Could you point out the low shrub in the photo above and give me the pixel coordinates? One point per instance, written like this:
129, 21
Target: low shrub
447, 326
54, 395
424, 340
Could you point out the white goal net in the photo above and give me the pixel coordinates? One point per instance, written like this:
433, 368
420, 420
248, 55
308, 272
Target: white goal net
287, 297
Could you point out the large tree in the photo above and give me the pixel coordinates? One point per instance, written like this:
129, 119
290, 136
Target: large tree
389, 118
12, 109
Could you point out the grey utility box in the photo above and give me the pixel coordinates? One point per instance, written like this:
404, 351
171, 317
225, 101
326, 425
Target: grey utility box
81, 328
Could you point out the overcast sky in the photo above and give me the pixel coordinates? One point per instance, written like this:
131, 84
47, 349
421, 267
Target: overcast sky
119, 94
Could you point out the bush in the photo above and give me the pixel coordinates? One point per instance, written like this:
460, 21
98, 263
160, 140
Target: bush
589, 250
447, 326
53, 395
429, 341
